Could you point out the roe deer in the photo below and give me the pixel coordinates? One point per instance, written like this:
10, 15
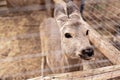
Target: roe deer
64, 40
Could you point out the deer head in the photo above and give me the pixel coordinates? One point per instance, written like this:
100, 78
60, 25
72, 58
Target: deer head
74, 38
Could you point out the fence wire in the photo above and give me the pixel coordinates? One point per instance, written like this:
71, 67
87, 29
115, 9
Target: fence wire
42, 7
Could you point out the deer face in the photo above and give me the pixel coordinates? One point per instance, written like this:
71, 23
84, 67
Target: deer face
75, 42
74, 39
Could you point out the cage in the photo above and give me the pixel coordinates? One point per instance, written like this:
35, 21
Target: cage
19, 34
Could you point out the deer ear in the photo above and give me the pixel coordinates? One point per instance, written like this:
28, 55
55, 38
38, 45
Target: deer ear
60, 14
73, 11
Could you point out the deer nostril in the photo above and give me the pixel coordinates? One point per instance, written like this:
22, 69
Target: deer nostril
88, 52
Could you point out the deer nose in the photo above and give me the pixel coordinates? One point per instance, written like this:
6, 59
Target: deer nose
87, 53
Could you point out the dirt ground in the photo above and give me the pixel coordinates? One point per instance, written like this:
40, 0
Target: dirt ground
20, 45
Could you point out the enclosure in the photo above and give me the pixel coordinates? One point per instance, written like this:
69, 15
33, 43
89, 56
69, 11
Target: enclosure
20, 46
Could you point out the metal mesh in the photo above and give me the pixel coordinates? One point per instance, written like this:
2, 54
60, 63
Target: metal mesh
102, 15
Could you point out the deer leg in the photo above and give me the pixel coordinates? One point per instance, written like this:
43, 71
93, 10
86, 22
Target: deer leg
43, 66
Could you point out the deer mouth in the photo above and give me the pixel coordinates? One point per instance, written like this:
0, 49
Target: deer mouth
85, 57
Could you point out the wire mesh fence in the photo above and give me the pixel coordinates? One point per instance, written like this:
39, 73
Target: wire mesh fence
102, 15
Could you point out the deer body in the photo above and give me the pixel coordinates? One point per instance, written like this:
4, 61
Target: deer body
51, 45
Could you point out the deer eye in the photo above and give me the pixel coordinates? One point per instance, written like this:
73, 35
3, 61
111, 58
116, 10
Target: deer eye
68, 35
87, 32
